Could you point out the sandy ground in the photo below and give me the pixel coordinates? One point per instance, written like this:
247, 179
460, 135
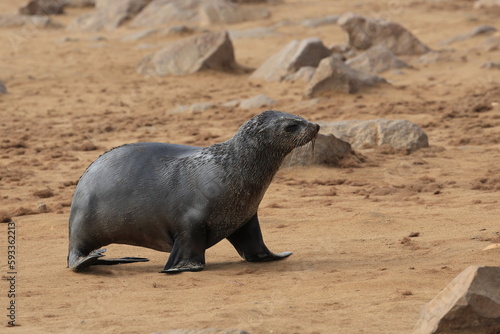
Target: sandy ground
354, 268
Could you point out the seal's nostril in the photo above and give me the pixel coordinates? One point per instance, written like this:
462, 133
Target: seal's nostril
317, 127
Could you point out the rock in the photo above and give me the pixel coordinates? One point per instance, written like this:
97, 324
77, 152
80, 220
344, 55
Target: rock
203, 331
258, 101
16, 20
163, 12
169, 31
109, 14
491, 64
333, 75
343, 51
67, 39
291, 58
491, 44
140, 35
469, 304
363, 33
257, 32
398, 134
376, 59
225, 12
79, 3
313, 23
327, 150
207, 51
435, 57
195, 108
42, 7
486, 3
303, 74
3, 89
477, 31
249, 1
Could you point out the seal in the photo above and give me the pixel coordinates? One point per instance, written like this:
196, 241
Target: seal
183, 199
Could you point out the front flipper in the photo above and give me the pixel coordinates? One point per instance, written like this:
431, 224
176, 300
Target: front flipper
188, 254
84, 262
93, 259
250, 245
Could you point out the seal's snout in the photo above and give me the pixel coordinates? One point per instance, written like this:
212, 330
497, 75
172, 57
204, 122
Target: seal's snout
317, 128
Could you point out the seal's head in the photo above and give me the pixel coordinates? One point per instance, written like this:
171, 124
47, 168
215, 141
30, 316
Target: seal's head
277, 131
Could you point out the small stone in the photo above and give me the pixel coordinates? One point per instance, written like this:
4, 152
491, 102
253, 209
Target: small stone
490, 65
257, 32
327, 20
79, 3
67, 39
486, 3
167, 12
16, 20
3, 89
258, 101
42, 207
203, 331
225, 12
201, 106
477, 31
491, 44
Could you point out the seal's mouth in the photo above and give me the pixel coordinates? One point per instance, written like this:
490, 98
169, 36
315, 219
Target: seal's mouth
313, 140
310, 135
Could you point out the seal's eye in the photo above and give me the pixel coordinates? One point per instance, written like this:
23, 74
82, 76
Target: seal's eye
292, 128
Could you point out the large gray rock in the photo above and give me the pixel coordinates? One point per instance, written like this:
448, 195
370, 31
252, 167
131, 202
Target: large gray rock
363, 33
398, 134
326, 150
109, 14
42, 7
167, 12
225, 12
291, 58
16, 20
376, 59
333, 75
470, 304
207, 51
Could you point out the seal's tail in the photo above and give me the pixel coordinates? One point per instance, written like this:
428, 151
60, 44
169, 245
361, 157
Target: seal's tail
94, 259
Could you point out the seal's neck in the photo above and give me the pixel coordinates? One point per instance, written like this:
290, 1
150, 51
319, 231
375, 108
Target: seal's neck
256, 163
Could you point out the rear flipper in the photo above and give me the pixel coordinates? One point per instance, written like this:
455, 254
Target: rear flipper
94, 259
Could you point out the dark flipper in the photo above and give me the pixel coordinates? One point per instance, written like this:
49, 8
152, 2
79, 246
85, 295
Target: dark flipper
110, 262
188, 254
250, 245
94, 259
